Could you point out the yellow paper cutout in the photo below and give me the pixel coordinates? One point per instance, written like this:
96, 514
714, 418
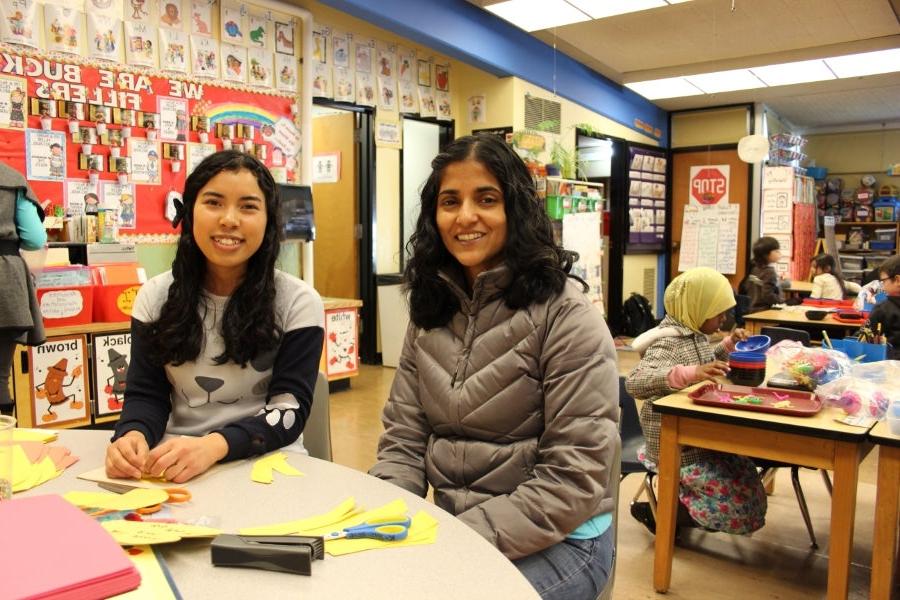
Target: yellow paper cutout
154, 585
342, 511
33, 435
131, 533
422, 530
137, 498
26, 474
393, 508
262, 468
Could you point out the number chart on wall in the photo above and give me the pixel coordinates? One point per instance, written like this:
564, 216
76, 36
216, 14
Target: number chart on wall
89, 135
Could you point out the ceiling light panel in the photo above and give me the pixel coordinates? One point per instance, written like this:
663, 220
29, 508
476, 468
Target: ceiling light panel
533, 15
671, 87
726, 81
599, 9
803, 71
867, 63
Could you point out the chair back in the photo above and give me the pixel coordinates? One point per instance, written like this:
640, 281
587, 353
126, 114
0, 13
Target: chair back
317, 433
741, 308
778, 334
632, 434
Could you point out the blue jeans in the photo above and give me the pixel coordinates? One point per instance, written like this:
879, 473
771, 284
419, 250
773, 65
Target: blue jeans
572, 569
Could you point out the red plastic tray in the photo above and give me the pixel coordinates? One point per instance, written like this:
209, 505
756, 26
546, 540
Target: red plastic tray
803, 404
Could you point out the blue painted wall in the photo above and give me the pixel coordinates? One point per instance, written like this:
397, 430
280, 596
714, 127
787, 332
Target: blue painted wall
465, 32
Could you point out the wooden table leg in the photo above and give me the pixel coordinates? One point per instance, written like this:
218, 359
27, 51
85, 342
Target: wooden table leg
667, 503
843, 511
884, 539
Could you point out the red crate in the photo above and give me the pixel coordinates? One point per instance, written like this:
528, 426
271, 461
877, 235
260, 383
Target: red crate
62, 306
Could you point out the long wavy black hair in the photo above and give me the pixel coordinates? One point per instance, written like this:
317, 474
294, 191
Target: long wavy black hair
248, 325
539, 267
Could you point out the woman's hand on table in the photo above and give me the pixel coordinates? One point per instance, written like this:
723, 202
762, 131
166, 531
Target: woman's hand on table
126, 456
183, 458
716, 368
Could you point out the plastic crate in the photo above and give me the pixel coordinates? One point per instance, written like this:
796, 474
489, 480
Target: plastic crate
856, 349
63, 306
887, 209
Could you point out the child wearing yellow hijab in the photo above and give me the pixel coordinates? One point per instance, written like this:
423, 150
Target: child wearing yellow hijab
719, 492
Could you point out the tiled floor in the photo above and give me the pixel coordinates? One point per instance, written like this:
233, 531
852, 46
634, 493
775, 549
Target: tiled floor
775, 563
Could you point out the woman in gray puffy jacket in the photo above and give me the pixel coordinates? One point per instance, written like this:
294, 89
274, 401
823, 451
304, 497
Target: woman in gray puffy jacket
505, 401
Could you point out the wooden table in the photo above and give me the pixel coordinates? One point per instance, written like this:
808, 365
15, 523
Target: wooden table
799, 288
884, 539
817, 441
790, 318
460, 564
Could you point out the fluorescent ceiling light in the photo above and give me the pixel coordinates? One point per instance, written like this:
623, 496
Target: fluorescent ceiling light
671, 87
532, 15
726, 81
867, 63
803, 71
599, 9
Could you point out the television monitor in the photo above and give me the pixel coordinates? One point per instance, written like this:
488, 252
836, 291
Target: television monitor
297, 212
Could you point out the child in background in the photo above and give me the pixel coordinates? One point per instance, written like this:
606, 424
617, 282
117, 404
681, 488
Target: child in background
719, 491
763, 285
886, 315
827, 285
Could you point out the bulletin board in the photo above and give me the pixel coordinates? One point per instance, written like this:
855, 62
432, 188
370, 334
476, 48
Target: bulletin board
44, 129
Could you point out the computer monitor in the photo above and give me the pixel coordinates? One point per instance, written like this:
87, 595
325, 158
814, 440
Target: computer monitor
297, 212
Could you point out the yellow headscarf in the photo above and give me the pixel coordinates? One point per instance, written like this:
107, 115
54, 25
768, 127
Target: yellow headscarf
697, 295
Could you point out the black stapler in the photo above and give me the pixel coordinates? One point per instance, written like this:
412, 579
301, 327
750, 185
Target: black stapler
286, 553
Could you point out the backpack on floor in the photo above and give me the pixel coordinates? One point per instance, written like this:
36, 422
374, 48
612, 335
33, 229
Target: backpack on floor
637, 315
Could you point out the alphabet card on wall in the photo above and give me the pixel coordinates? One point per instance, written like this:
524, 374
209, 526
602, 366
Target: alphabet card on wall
59, 382
112, 353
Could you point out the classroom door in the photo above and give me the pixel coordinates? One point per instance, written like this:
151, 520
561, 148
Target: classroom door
738, 192
336, 249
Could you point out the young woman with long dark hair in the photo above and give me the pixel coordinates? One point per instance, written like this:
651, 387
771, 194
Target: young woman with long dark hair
224, 348
505, 401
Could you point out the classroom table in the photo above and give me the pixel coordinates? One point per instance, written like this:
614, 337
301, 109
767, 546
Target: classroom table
884, 539
818, 441
799, 288
754, 322
461, 564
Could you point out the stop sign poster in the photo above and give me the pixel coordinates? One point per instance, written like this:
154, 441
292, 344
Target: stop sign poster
709, 184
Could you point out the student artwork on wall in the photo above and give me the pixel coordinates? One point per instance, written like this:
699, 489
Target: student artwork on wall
58, 375
343, 338
173, 120
140, 44
63, 30
173, 50
385, 62
406, 61
286, 73
104, 36
110, 8
343, 85
426, 102
363, 57
18, 22
204, 57
196, 153
444, 110
284, 38
171, 14
145, 156
423, 73
45, 154
259, 72
232, 22
320, 46
234, 63
409, 100
442, 78
112, 354
141, 11
258, 31
322, 81
201, 17
387, 93
365, 89
340, 50
12, 102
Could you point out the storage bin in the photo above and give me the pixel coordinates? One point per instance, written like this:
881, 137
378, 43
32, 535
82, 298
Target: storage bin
68, 305
851, 262
886, 235
854, 349
887, 209
113, 303
557, 206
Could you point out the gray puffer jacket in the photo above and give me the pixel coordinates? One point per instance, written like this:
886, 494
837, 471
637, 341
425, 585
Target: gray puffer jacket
510, 415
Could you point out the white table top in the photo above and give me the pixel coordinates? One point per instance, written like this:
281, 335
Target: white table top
461, 564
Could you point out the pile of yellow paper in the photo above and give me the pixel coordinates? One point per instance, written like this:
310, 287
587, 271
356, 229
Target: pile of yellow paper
131, 500
132, 533
34, 463
422, 530
262, 468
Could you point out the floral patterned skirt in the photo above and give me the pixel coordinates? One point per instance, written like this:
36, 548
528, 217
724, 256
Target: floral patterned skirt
724, 493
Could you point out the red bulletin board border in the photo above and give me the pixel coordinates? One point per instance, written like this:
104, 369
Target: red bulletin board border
124, 87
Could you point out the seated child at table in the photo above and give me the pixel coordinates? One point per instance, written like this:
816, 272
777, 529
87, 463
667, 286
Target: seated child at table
827, 285
763, 285
886, 314
224, 348
720, 492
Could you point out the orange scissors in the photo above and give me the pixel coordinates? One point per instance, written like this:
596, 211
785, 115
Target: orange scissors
177, 495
